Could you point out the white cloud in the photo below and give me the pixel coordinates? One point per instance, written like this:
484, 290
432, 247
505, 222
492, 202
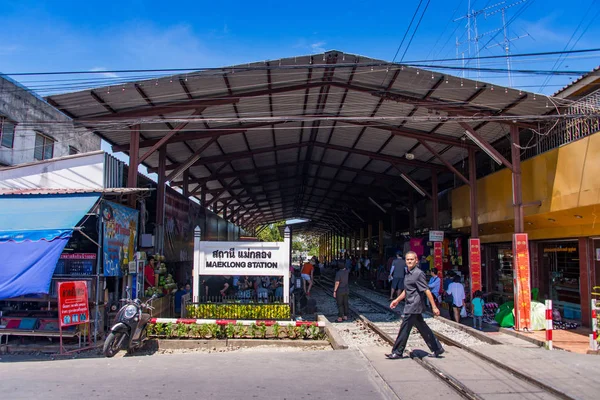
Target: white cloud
106, 74
318, 47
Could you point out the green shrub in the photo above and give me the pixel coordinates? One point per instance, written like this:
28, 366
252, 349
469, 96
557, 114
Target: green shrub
215, 331
263, 330
241, 330
253, 330
230, 331
276, 330
239, 311
302, 331
314, 332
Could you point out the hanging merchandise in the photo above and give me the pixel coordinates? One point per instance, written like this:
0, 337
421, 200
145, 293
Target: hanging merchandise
416, 245
446, 247
458, 245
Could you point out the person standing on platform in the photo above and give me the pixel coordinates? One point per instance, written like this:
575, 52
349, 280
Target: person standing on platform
434, 286
477, 309
397, 273
457, 291
307, 275
415, 291
149, 278
341, 291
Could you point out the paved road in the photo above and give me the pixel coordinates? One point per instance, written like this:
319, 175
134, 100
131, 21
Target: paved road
234, 375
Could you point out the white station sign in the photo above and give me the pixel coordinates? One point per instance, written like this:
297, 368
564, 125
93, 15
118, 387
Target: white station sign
241, 259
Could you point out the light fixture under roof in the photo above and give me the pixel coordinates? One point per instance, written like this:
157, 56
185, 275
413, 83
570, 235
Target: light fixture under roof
409, 156
578, 216
551, 220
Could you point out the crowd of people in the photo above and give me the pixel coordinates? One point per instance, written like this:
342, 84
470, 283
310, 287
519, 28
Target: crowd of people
245, 288
391, 275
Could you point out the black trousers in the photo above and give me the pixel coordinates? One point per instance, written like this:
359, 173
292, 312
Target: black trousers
408, 321
342, 303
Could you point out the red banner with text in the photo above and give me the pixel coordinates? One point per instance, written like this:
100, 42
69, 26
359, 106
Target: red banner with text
475, 264
521, 281
73, 306
438, 261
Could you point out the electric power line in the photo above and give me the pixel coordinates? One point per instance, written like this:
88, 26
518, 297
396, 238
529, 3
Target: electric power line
275, 67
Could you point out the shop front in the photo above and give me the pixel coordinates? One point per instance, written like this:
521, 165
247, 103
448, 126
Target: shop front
559, 276
498, 272
555, 270
46, 240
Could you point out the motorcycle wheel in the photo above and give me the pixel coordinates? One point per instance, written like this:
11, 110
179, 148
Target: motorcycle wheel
112, 344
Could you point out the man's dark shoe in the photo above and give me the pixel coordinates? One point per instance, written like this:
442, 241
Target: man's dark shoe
439, 352
395, 356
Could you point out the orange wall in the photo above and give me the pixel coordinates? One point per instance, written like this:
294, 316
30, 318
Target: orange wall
562, 179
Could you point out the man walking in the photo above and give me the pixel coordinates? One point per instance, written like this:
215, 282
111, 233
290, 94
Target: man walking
415, 290
341, 291
397, 273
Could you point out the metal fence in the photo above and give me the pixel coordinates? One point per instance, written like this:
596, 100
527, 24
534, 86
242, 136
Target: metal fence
551, 135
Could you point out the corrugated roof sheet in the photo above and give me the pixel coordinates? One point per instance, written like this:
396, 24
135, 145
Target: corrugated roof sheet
306, 94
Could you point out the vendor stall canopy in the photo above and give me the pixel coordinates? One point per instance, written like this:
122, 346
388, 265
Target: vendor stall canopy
321, 137
33, 233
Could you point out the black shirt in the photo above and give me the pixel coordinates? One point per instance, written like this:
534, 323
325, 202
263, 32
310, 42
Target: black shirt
415, 285
215, 284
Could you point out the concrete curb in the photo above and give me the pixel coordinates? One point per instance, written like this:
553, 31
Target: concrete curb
175, 344
334, 338
533, 340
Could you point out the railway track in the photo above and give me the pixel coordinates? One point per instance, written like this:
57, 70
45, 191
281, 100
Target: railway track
471, 374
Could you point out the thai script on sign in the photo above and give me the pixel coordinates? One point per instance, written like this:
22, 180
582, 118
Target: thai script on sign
241, 254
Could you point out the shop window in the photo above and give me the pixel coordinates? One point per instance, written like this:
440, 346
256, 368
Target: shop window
504, 272
7, 133
44, 147
561, 267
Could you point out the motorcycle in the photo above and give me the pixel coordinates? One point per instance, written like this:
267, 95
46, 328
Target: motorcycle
130, 330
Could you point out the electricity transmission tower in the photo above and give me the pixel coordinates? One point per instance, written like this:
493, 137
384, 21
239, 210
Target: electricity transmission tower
473, 36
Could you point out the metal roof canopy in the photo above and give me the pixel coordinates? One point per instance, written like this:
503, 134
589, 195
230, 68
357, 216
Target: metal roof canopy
305, 137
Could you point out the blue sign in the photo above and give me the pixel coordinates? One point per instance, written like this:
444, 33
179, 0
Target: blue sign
120, 237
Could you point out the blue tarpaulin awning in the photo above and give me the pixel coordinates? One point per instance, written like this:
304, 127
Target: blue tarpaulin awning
33, 233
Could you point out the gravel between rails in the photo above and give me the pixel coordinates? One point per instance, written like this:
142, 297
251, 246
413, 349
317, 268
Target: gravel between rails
436, 324
353, 331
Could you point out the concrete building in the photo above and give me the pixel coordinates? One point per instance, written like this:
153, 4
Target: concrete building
33, 130
562, 192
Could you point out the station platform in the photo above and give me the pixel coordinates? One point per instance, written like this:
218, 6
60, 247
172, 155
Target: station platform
568, 372
573, 340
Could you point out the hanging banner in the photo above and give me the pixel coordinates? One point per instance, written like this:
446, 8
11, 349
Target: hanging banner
475, 264
73, 308
438, 261
181, 216
521, 279
120, 237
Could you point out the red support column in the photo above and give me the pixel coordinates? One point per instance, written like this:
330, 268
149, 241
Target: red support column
473, 193
434, 201
160, 200
516, 179
586, 261
134, 153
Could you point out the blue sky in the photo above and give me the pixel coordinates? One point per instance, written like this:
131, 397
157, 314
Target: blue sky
107, 35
